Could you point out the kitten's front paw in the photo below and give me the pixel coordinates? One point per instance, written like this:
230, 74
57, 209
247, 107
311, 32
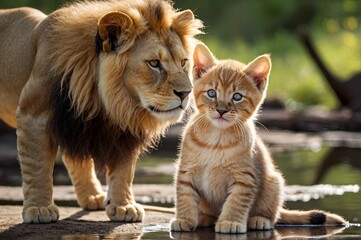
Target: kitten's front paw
182, 225
260, 223
131, 212
230, 227
41, 214
92, 202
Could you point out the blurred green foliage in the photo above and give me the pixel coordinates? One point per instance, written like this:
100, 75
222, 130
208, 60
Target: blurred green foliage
46, 6
243, 29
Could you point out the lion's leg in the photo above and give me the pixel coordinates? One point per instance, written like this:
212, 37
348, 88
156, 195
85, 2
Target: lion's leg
121, 205
87, 186
37, 153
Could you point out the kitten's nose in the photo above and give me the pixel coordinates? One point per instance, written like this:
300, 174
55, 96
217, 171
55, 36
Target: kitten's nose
222, 111
182, 94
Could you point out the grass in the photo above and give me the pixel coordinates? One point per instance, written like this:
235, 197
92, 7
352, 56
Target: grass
294, 77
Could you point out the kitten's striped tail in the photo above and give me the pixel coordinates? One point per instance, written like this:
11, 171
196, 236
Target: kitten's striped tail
313, 217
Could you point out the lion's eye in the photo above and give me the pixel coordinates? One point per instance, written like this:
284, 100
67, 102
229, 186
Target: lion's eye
212, 93
237, 97
184, 62
154, 63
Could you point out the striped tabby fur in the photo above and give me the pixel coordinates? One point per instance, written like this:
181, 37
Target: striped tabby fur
225, 174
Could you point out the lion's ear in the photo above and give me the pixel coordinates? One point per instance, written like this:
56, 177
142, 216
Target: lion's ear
114, 29
184, 24
203, 60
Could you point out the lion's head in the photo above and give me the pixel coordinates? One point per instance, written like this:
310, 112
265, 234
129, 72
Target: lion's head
132, 61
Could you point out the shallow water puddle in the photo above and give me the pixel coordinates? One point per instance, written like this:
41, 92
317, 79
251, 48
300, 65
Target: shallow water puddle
162, 227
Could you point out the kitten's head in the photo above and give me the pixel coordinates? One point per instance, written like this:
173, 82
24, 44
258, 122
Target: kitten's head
228, 92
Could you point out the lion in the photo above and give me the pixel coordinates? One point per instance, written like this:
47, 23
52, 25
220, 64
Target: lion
100, 81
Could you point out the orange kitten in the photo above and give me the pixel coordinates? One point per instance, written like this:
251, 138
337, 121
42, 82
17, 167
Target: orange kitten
226, 175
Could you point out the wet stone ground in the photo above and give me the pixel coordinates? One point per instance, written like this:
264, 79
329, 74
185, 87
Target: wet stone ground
75, 223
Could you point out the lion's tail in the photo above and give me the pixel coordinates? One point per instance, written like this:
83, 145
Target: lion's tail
313, 217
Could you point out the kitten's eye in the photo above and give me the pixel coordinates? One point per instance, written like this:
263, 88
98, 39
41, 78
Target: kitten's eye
154, 63
184, 62
237, 97
212, 93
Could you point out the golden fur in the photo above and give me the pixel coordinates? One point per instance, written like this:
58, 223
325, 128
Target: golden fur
17, 24
100, 79
225, 173
71, 24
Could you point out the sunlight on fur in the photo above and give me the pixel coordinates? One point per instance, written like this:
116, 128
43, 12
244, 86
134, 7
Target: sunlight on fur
101, 81
148, 36
225, 176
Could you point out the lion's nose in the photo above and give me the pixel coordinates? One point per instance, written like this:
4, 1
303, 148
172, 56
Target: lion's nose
182, 94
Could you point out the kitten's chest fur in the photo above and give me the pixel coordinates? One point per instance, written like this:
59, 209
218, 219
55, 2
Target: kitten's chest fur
213, 160
213, 182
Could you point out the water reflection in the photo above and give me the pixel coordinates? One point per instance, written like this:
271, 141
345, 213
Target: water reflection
209, 234
123, 236
81, 237
278, 233
337, 166
336, 156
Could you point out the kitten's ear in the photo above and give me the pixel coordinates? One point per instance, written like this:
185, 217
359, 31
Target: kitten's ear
259, 70
203, 60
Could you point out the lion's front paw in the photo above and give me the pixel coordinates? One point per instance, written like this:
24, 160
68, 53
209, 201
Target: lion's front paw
93, 202
41, 214
260, 223
126, 213
230, 227
182, 225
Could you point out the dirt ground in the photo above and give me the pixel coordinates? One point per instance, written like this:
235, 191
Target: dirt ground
73, 221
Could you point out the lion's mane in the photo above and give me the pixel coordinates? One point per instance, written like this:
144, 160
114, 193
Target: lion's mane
79, 122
